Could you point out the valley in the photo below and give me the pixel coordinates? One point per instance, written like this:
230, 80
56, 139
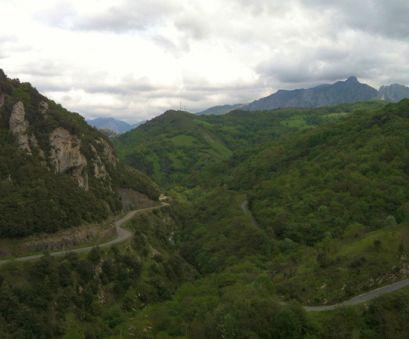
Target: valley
204, 169
291, 217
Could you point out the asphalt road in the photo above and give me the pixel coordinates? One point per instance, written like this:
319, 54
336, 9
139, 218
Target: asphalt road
362, 298
122, 236
359, 299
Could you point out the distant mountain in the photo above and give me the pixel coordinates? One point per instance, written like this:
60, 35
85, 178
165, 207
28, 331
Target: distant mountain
394, 92
219, 110
114, 125
341, 92
138, 124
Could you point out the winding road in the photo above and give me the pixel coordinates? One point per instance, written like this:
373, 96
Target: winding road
362, 298
122, 236
359, 299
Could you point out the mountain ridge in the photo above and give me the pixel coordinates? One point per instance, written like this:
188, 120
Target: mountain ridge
111, 124
340, 92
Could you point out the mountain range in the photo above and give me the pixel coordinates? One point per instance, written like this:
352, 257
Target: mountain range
341, 92
113, 125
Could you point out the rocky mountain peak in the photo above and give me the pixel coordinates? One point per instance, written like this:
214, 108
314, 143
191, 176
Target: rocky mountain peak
352, 79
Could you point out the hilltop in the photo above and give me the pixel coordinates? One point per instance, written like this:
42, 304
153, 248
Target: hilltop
178, 147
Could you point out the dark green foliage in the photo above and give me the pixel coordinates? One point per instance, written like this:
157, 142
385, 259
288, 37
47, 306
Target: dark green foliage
217, 235
33, 199
323, 180
327, 188
182, 148
93, 294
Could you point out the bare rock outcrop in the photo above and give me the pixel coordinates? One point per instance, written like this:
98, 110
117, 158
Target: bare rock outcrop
19, 128
100, 171
66, 157
108, 152
43, 107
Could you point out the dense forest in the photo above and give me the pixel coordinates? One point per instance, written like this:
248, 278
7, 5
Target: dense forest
177, 146
326, 190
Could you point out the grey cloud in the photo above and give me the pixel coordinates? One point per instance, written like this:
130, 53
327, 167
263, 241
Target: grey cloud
126, 16
257, 7
387, 18
194, 27
326, 64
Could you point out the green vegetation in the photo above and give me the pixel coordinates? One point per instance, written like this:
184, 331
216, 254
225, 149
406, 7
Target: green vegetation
177, 147
91, 296
33, 198
325, 180
327, 219
327, 190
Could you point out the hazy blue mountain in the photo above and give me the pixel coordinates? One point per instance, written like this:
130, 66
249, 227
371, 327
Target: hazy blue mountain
114, 125
137, 124
219, 110
341, 92
394, 92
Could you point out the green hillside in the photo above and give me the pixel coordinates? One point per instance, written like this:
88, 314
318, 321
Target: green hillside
171, 146
55, 170
178, 147
325, 180
329, 203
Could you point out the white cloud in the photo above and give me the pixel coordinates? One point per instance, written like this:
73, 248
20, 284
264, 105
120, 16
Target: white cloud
135, 59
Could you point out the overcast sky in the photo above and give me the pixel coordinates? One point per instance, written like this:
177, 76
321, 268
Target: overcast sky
133, 59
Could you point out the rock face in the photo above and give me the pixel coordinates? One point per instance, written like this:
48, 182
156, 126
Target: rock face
100, 171
394, 93
108, 152
65, 149
2, 97
66, 157
19, 128
43, 107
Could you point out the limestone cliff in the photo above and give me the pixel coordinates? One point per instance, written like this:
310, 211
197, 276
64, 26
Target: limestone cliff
19, 128
108, 152
65, 154
66, 157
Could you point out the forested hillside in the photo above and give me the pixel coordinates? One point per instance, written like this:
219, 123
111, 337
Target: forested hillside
55, 170
177, 147
325, 180
327, 220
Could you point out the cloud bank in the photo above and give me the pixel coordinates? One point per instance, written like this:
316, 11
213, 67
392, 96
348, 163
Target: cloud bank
135, 59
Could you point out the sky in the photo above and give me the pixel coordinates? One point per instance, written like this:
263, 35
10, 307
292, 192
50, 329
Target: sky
135, 59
